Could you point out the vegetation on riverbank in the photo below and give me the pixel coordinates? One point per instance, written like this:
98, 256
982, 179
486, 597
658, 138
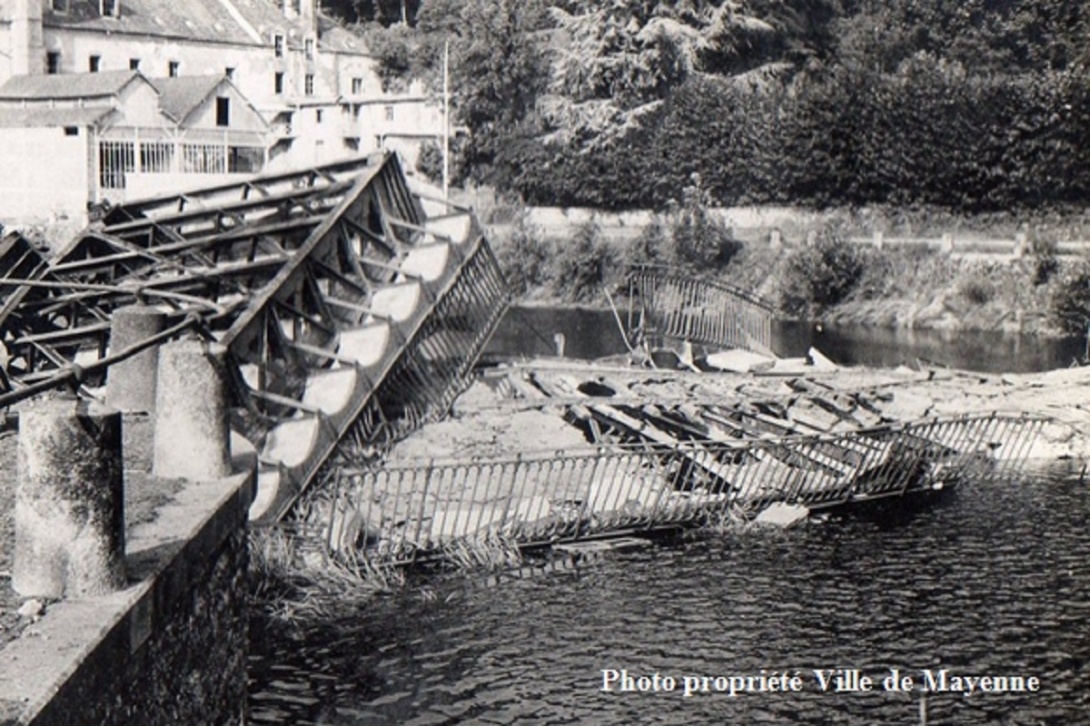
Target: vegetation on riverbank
827, 278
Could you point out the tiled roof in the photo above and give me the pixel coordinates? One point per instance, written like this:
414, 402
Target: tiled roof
37, 117
66, 85
242, 22
181, 94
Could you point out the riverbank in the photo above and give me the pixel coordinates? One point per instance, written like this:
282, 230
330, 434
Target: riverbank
994, 275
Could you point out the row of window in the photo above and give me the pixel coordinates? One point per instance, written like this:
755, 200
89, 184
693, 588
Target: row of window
280, 44
116, 158
94, 65
108, 8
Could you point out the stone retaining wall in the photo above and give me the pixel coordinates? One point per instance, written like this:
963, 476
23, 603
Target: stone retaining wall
170, 648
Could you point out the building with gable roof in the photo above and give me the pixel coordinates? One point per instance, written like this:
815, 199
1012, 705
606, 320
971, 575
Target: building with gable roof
313, 82
276, 52
71, 141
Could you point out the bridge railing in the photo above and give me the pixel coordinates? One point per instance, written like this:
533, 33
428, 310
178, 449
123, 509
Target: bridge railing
400, 514
667, 303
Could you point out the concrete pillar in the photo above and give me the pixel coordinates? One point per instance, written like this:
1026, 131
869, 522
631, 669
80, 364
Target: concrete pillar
947, 244
130, 384
775, 239
69, 516
879, 239
192, 438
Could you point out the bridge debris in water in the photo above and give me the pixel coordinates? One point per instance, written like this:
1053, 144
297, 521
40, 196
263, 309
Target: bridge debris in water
669, 306
352, 307
660, 460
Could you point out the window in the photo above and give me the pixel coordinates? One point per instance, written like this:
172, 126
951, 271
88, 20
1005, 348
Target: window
278, 45
357, 85
244, 159
134, 64
317, 116
229, 72
71, 131
60, 6
223, 111
172, 68
115, 158
389, 113
308, 49
203, 159
156, 157
308, 84
109, 8
278, 83
53, 62
94, 63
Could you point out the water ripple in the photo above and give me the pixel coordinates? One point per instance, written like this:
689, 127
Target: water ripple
989, 580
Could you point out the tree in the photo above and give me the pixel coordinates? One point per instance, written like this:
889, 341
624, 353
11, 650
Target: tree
498, 70
986, 36
621, 59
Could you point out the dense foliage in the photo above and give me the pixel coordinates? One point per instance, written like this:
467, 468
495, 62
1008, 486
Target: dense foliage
975, 105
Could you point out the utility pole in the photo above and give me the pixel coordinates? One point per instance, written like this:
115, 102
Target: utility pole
446, 118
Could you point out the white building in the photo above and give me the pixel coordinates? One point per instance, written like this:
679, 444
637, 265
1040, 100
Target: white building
68, 142
313, 81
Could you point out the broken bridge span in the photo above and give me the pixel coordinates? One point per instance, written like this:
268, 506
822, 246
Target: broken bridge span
351, 307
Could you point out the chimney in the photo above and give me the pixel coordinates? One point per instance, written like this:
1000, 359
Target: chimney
27, 46
308, 10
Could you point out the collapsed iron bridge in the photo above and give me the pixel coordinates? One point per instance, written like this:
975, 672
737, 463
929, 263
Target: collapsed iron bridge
656, 464
352, 308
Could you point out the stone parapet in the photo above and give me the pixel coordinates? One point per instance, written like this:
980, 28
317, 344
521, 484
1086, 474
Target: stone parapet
169, 648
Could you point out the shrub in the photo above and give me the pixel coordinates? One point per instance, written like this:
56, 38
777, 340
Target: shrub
819, 277
1070, 304
700, 237
430, 162
1045, 261
652, 246
977, 290
524, 257
585, 266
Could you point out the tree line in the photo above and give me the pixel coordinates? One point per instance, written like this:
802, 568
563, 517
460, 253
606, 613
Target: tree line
975, 105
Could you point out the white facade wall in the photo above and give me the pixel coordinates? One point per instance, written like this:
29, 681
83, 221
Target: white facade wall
399, 123
255, 67
46, 174
140, 107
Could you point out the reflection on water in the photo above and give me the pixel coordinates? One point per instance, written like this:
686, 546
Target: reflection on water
592, 334
991, 579
973, 350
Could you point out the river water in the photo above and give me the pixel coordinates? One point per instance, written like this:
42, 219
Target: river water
990, 579
589, 334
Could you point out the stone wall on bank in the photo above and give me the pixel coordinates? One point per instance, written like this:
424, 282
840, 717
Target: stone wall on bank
169, 648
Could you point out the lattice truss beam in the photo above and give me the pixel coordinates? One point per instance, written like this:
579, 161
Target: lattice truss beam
322, 284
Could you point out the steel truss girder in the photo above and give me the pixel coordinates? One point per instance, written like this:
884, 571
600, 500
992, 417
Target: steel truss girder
295, 275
